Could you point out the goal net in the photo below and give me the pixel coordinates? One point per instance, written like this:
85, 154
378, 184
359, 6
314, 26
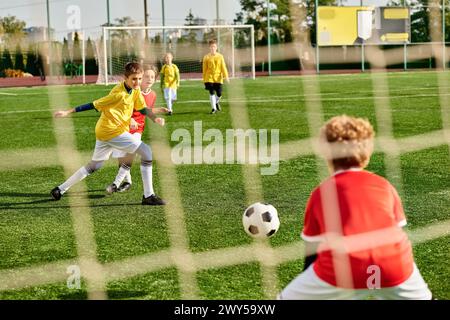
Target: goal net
188, 44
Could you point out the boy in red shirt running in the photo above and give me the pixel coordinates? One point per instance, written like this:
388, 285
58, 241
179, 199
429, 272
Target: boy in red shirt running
355, 247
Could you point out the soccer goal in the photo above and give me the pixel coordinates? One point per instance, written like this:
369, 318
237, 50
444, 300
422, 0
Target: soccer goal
188, 44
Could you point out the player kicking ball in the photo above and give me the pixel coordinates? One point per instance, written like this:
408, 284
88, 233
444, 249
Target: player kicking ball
123, 180
112, 133
354, 242
214, 72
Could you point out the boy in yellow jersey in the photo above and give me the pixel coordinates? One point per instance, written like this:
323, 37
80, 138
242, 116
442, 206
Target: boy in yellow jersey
112, 133
214, 71
170, 81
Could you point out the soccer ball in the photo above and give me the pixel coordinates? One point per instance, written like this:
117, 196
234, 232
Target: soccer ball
260, 220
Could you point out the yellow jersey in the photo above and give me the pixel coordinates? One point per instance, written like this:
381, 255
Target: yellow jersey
116, 108
214, 68
170, 76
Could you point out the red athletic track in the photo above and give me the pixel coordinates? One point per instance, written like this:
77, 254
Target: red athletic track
36, 81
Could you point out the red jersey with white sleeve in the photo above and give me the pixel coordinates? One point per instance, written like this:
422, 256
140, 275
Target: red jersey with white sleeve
368, 204
150, 99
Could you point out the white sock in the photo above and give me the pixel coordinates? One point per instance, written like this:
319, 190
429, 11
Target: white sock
169, 104
128, 177
75, 178
123, 171
212, 99
146, 173
217, 99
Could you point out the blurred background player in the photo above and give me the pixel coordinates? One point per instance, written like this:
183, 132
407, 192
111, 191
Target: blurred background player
375, 249
170, 81
214, 71
111, 132
123, 181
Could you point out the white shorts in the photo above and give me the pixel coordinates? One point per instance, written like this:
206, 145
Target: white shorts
120, 154
170, 93
126, 142
308, 286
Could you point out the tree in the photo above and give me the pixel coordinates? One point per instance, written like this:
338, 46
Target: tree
420, 18
18, 61
189, 19
11, 30
123, 22
191, 36
31, 61
76, 49
91, 63
281, 11
122, 40
65, 54
2, 68
7, 62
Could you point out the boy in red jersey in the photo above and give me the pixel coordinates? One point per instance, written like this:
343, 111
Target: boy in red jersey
355, 247
123, 181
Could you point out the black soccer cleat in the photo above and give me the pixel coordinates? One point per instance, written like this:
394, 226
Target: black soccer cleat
125, 186
218, 107
56, 193
213, 111
153, 200
169, 113
111, 188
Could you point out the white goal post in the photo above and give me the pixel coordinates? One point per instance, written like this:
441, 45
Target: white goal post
188, 44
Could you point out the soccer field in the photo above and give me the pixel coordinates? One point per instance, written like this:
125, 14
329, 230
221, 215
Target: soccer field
196, 247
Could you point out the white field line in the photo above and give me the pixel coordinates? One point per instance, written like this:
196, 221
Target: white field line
18, 278
346, 76
80, 92
26, 111
38, 158
303, 98
273, 99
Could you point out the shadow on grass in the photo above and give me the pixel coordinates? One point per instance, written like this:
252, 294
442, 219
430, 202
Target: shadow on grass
61, 119
12, 206
25, 205
25, 195
175, 113
126, 294
76, 295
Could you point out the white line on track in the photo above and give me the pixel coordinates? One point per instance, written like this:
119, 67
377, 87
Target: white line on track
25, 111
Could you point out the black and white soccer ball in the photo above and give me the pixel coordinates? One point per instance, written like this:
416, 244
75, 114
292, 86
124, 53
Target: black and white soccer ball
261, 220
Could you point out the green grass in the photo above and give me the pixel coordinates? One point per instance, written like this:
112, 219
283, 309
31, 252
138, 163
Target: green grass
36, 231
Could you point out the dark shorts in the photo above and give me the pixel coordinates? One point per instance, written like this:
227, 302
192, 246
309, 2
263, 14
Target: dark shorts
211, 87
